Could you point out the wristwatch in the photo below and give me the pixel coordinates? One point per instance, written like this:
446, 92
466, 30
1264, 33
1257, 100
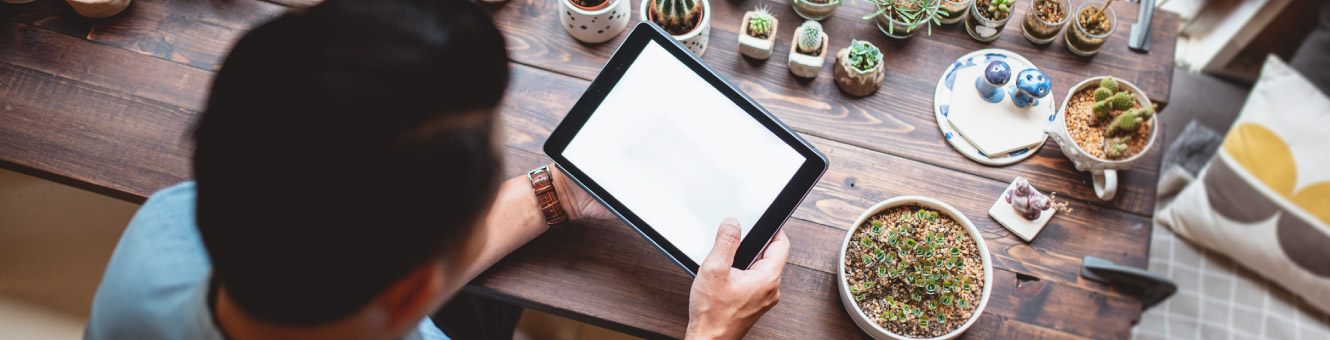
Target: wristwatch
542, 181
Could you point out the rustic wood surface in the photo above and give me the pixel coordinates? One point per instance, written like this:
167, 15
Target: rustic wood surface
107, 104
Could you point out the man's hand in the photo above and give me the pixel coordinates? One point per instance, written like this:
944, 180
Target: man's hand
725, 301
577, 203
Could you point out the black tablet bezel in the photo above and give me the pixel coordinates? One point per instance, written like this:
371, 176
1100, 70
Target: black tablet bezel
815, 164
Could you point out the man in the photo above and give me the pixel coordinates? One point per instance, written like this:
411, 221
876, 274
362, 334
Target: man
347, 185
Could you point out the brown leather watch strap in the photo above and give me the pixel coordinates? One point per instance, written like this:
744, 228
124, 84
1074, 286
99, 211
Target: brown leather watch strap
542, 181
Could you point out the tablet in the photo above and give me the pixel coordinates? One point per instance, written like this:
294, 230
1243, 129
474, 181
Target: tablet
673, 149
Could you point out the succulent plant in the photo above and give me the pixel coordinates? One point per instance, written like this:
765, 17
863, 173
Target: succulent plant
863, 55
1116, 147
915, 12
1146, 112
998, 9
759, 24
1125, 123
810, 37
1108, 83
1102, 109
911, 257
676, 16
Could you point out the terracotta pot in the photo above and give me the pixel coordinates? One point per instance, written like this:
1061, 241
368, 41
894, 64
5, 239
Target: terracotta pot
855, 82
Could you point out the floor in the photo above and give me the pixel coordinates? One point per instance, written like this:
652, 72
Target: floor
55, 241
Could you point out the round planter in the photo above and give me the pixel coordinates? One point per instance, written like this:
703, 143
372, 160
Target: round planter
955, 10
596, 25
896, 28
982, 28
695, 40
1104, 171
855, 82
753, 47
814, 11
1040, 31
1079, 40
857, 314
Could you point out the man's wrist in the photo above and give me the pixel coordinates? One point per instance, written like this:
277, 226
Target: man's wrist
564, 187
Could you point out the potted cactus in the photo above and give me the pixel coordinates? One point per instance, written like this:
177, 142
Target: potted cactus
987, 18
1104, 125
594, 21
689, 21
808, 50
757, 33
814, 9
859, 69
901, 19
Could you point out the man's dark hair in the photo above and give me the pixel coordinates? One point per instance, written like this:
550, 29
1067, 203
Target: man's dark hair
344, 146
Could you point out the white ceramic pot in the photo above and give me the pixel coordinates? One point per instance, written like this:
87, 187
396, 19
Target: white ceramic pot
753, 47
695, 40
1104, 171
857, 314
804, 65
595, 26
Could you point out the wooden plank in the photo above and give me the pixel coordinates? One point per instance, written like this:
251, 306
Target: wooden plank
899, 120
194, 33
52, 15
91, 135
104, 66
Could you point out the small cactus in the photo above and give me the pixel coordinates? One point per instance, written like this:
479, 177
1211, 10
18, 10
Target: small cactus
1102, 93
1108, 84
1123, 100
1125, 123
1116, 147
1146, 112
676, 16
759, 24
810, 37
1102, 110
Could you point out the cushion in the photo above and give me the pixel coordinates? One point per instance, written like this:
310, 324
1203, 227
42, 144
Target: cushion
1264, 198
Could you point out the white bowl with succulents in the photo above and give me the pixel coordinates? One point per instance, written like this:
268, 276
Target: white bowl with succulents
914, 267
594, 21
688, 21
1104, 125
757, 33
808, 50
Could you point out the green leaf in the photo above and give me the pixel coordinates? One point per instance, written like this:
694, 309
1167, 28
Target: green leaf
941, 319
858, 298
916, 297
932, 304
954, 251
877, 223
946, 299
867, 242
923, 322
881, 271
963, 303
931, 288
868, 259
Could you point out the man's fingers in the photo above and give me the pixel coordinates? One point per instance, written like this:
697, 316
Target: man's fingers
727, 242
773, 259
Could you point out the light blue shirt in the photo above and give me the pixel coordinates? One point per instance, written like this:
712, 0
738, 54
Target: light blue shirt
156, 286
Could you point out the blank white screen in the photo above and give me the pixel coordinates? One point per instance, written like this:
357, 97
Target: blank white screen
681, 155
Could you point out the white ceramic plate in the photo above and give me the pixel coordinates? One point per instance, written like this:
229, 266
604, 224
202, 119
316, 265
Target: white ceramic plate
942, 99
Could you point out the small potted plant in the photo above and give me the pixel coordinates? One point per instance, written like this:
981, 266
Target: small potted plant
954, 10
1094, 22
914, 268
757, 33
987, 18
814, 9
1104, 125
594, 21
689, 21
1044, 19
859, 69
808, 50
901, 19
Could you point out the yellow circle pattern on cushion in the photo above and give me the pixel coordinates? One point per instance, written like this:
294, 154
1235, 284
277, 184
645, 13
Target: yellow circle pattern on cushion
1315, 199
1264, 155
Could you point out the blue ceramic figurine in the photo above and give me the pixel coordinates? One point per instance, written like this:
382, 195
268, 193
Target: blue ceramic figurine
990, 83
1031, 84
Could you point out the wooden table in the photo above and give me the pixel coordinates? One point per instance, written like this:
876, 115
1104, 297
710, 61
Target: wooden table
105, 105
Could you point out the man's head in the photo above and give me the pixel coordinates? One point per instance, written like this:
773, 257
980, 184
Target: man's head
345, 146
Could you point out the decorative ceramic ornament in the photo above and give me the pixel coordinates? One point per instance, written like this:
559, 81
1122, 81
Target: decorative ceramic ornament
1031, 84
994, 78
